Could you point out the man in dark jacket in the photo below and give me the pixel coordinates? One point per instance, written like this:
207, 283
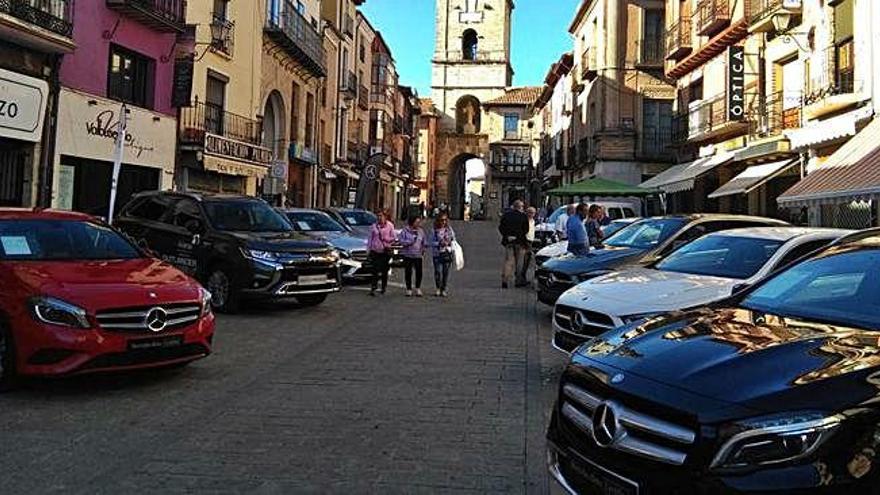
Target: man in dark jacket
514, 227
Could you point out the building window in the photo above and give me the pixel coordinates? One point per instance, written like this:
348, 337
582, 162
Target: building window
656, 127
363, 49
652, 34
131, 77
511, 126
469, 43
221, 9
310, 120
294, 113
215, 102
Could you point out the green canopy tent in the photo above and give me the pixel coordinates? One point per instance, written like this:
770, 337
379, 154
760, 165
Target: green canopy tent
597, 187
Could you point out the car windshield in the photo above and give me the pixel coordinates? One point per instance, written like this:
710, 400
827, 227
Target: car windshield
57, 240
839, 286
613, 228
313, 221
246, 216
646, 234
556, 214
358, 218
721, 256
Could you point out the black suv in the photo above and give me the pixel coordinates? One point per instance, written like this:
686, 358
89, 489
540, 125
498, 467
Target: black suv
237, 246
774, 390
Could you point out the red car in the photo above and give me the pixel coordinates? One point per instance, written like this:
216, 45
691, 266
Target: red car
78, 297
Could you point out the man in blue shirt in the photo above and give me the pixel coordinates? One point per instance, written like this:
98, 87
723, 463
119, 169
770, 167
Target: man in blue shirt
577, 232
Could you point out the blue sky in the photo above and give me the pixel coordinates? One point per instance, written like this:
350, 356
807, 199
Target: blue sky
540, 35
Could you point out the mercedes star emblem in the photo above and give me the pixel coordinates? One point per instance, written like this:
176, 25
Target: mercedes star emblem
371, 171
579, 322
156, 319
606, 429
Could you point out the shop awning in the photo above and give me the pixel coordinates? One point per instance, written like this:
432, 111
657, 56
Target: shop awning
598, 186
346, 172
754, 177
852, 173
826, 131
682, 177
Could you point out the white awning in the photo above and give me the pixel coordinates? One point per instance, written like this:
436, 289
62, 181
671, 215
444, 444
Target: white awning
753, 178
684, 176
665, 176
825, 131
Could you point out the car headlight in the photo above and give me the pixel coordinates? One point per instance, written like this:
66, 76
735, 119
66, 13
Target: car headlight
205, 302
774, 440
591, 275
256, 254
57, 312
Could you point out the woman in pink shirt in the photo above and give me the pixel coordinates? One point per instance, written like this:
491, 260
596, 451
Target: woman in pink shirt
380, 242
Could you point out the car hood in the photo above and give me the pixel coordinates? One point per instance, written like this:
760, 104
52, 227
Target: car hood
95, 285
340, 240
760, 361
554, 250
281, 242
545, 227
609, 258
643, 290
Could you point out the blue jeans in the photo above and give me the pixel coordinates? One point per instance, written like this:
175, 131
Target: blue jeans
578, 249
441, 273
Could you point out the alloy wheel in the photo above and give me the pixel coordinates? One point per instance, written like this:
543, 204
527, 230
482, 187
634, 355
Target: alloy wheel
218, 286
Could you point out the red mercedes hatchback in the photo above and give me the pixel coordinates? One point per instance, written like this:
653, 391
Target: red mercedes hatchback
78, 297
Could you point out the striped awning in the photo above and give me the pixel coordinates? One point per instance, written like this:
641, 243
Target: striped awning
852, 173
682, 177
754, 177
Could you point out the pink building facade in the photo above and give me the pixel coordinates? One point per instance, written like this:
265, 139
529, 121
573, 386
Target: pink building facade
124, 57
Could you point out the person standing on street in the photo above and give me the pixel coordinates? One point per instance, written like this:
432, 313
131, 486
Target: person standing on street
594, 226
561, 226
412, 238
444, 254
380, 243
529, 256
577, 232
514, 227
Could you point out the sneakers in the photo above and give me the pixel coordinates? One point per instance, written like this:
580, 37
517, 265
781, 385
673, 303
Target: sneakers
409, 293
444, 293
439, 293
418, 292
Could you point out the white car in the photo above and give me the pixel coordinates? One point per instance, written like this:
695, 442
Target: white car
545, 233
708, 269
561, 247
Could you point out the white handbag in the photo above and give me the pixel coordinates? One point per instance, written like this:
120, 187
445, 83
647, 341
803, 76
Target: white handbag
459, 255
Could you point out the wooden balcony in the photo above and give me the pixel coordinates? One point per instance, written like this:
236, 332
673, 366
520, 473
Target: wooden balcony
679, 42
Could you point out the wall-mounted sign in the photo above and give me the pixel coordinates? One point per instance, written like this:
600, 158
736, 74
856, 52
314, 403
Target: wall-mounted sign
22, 106
181, 90
279, 170
237, 150
736, 83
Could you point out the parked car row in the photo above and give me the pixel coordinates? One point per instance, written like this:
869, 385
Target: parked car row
743, 361
79, 296
545, 232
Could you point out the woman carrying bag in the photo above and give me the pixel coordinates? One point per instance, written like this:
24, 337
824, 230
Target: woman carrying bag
443, 244
380, 244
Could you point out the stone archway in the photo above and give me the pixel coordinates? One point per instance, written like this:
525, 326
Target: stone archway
274, 125
453, 151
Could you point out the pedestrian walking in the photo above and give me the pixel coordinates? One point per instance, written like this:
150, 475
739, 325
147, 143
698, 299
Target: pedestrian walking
380, 244
514, 227
412, 239
442, 241
529, 255
577, 232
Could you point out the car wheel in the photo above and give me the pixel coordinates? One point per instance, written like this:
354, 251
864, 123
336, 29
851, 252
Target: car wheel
311, 299
8, 375
224, 295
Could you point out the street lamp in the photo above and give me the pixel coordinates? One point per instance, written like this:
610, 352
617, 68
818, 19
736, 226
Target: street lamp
782, 26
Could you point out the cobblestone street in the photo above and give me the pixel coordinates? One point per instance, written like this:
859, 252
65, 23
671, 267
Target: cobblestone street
357, 395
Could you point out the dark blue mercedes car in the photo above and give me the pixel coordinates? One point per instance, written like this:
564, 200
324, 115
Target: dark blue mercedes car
642, 243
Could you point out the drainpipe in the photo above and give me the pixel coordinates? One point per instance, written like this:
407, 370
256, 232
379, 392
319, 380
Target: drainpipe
50, 131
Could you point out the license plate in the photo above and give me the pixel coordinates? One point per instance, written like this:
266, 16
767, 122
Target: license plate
159, 343
602, 480
312, 279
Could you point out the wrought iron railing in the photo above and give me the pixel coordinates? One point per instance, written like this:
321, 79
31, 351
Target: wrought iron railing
678, 38
650, 52
835, 76
53, 15
202, 118
775, 113
222, 35
298, 36
761, 10
169, 11
707, 116
711, 15
349, 82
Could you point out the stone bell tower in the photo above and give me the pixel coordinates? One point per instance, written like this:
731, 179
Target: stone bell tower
471, 66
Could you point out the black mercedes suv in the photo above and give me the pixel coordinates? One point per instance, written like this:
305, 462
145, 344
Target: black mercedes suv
239, 247
775, 390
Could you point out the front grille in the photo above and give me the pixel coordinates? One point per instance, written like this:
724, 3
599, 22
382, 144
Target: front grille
635, 433
147, 356
567, 342
360, 256
292, 275
582, 321
135, 319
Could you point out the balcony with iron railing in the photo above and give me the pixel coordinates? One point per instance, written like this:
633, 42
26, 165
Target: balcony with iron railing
292, 31
679, 42
348, 84
589, 67
775, 113
161, 15
709, 118
510, 161
650, 53
762, 12
43, 24
205, 118
832, 85
363, 97
222, 35
712, 16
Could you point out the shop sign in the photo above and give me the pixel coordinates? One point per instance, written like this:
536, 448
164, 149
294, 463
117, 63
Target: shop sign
181, 91
736, 83
237, 150
22, 106
278, 170
231, 167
